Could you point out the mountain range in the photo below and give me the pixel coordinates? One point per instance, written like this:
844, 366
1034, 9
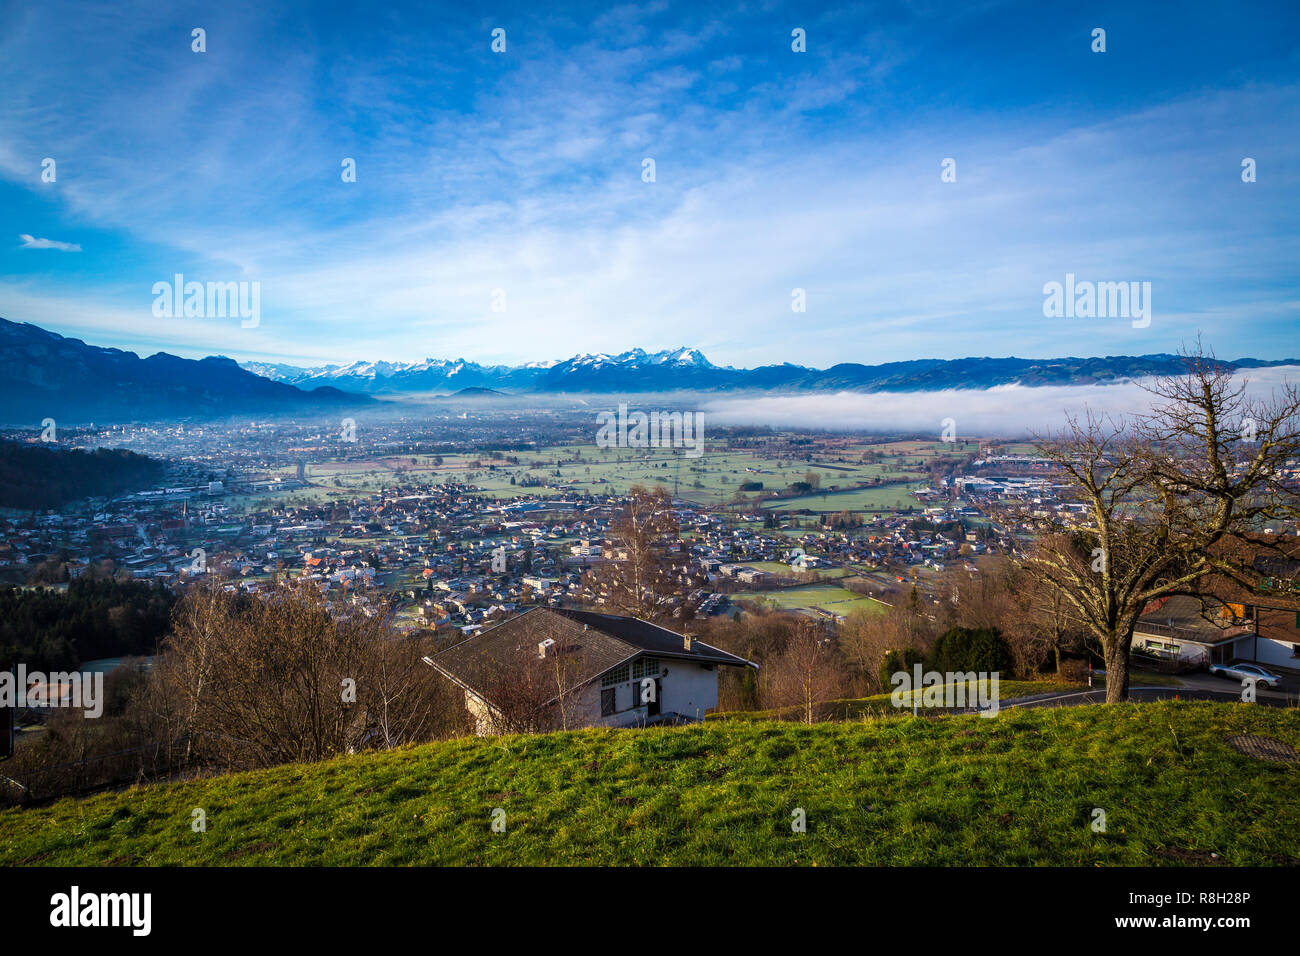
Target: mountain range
45, 375
688, 369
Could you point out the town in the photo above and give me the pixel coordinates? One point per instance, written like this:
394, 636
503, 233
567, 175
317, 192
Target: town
451, 534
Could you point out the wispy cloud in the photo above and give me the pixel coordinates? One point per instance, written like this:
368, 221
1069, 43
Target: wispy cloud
775, 170
31, 242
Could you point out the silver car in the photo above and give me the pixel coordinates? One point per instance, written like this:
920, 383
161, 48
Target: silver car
1244, 672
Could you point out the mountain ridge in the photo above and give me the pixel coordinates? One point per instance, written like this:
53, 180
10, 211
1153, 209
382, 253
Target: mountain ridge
688, 369
47, 375
44, 374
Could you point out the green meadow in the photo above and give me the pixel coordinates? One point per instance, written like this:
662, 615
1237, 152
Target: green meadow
1023, 788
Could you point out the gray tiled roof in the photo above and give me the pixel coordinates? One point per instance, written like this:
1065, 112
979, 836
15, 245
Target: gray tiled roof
652, 638
597, 642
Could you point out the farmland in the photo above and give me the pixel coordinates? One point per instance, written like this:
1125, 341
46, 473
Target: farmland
829, 597
713, 479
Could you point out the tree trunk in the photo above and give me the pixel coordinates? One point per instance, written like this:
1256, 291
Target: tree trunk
1116, 649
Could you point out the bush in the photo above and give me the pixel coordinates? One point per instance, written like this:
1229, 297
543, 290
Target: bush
895, 661
971, 649
1073, 671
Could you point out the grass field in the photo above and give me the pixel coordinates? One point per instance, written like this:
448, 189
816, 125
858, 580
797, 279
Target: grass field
712, 479
781, 567
1018, 789
836, 599
891, 497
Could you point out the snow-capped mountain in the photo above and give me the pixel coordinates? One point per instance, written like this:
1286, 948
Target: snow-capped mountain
640, 358
672, 368
679, 369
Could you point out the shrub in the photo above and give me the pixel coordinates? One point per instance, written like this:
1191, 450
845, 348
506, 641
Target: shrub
971, 649
1073, 671
895, 661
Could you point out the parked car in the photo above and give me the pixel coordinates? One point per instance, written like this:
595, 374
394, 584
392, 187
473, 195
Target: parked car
1243, 672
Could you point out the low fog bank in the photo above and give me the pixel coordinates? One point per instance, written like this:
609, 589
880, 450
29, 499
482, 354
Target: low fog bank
1004, 410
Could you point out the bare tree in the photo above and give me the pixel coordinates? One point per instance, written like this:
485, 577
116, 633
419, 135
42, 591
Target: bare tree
404, 699
866, 638
1034, 619
805, 674
1177, 499
255, 681
646, 573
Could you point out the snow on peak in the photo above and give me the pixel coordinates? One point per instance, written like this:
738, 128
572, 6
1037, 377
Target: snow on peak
682, 357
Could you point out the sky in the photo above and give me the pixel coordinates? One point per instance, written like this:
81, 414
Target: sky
501, 210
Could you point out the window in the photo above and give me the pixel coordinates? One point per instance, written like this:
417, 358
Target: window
617, 676
645, 667
607, 705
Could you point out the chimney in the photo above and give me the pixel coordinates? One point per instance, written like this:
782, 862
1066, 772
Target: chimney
686, 642
544, 646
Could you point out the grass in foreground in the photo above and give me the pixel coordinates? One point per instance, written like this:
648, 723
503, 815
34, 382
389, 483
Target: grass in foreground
1017, 789
882, 705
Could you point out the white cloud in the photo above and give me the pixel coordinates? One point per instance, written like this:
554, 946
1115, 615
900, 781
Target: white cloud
534, 186
31, 242
1008, 411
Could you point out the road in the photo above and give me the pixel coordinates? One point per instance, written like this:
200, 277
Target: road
1098, 696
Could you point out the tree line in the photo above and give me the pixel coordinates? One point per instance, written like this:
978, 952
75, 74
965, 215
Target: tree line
36, 477
57, 630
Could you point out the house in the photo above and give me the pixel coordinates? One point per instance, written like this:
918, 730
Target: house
1275, 640
1274, 609
1177, 629
555, 668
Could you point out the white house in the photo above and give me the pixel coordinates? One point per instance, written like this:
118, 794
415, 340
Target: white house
583, 669
1176, 629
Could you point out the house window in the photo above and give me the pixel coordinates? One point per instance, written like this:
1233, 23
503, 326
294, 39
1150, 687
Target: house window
617, 676
645, 667
607, 705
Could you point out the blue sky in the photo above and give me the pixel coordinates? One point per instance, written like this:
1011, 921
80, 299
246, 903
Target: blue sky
775, 170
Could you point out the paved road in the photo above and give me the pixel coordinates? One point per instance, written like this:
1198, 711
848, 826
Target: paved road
1098, 696
1204, 681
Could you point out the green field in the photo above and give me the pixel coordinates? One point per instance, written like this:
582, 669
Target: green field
712, 479
894, 497
780, 567
835, 599
1018, 789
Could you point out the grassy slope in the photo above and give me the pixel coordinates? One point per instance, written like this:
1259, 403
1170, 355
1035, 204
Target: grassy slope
882, 705
1016, 789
